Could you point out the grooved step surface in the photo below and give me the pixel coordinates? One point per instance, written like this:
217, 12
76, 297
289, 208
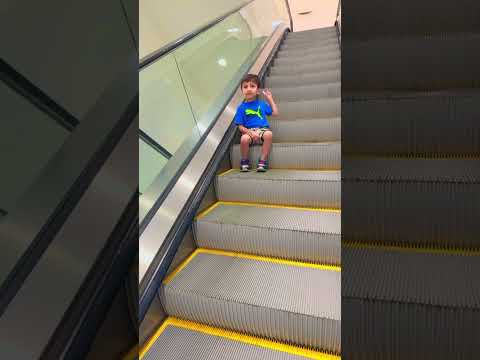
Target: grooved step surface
285, 187
431, 214
307, 92
294, 155
297, 234
307, 78
442, 123
257, 297
431, 332
306, 130
321, 68
325, 55
307, 46
179, 343
413, 169
411, 277
326, 107
313, 51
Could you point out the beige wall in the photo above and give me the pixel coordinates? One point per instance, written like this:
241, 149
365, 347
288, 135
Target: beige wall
162, 21
323, 13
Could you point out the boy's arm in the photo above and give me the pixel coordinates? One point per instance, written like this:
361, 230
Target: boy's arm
273, 105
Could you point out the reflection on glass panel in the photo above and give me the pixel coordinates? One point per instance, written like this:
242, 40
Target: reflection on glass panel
28, 140
165, 113
212, 64
151, 162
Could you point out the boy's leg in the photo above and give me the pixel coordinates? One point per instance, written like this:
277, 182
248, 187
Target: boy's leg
244, 145
267, 144
245, 141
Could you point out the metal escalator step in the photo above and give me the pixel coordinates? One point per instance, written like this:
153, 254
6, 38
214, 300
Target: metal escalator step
304, 234
306, 78
312, 52
307, 92
308, 58
306, 130
206, 343
320, 156
320, 189
258, 296
442, 123
314, 32
306, 45
427, 300
297, 37
327, 65
422, 202
318, 108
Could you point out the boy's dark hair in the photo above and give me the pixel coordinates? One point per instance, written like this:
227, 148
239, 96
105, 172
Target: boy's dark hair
250, 77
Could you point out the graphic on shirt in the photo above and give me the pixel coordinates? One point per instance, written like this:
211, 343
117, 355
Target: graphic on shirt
251, 112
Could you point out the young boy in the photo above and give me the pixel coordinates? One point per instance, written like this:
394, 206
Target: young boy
251, 118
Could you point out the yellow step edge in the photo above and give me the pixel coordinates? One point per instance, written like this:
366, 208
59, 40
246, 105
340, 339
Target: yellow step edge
411, 249
251, 257
239, 337
262, 205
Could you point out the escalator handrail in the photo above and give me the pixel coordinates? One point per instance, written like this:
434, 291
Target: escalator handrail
160, 240
148, 59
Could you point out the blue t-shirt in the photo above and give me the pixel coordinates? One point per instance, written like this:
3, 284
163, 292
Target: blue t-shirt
253, 114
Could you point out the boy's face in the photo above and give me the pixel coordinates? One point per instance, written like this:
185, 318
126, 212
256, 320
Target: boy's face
249, 90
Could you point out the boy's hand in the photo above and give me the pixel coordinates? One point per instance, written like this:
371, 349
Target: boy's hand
267, 94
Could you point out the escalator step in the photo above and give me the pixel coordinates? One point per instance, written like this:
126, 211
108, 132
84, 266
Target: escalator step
429, 123
207, 342
318, 108
318, 156
289, 44
412, 202
303, 234
430, 301
328, 65
307, 51
258, 296
306, 130
331, 74
322, 56
307, 92
320, 189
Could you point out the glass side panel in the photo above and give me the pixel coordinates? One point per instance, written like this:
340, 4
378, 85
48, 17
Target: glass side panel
151, 162
165, 113
23, 152
182, 93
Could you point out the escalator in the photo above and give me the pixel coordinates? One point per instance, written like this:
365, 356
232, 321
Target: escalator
257, 275
410, 152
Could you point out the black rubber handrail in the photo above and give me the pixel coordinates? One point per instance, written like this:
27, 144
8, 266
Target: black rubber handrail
182, 40
155, 145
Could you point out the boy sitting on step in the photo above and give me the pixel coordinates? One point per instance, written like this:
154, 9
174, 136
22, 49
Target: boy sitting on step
251, 118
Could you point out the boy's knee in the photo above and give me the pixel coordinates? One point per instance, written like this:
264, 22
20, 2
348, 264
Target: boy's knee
245, 139
267, 135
